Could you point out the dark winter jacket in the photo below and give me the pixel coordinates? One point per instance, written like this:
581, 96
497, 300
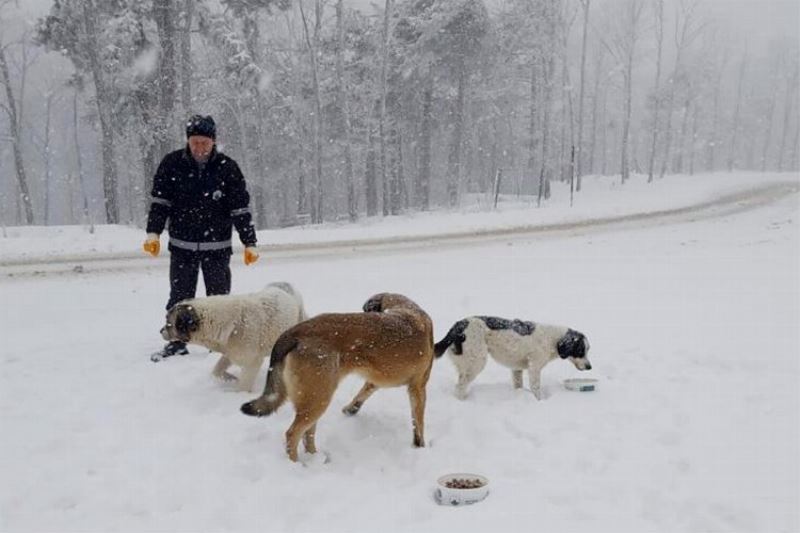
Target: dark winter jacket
200, 202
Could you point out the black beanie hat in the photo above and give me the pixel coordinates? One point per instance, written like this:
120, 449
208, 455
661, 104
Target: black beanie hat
201, 125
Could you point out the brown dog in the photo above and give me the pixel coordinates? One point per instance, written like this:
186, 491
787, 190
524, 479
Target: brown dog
390, 345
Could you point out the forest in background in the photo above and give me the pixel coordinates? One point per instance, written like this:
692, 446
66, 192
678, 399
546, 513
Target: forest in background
337, 110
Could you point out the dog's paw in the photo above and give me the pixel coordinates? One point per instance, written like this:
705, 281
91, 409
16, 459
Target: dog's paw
314, 460
251, 409
351, 409
226, 377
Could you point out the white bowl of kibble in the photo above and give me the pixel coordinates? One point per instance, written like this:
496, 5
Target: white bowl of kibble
580, 384
461, 489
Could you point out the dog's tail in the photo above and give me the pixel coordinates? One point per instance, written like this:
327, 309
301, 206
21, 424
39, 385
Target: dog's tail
275, 390
302, 316
454, 337
289, 289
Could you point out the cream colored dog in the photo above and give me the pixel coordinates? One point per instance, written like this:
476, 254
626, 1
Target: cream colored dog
243, 328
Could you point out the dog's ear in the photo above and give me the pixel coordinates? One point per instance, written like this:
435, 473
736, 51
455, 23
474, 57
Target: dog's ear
572, 345
186, 319
374, 304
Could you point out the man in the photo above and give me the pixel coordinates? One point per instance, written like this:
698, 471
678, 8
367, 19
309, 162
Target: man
202, 193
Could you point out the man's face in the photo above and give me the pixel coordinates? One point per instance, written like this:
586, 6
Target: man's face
200, 146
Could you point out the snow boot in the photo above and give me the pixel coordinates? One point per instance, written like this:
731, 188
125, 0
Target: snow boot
170, 349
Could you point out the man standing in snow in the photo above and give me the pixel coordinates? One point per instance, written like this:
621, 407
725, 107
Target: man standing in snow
202, 193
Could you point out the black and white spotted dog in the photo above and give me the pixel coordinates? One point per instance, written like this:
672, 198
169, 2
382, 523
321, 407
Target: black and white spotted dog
515, 344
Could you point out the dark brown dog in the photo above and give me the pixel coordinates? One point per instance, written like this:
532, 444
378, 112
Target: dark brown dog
390, 345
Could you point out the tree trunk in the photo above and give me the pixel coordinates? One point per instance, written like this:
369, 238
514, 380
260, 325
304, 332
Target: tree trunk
736, 113
604, 123
795, 146
423, 187
16, 144
316, 208
255, 121
595, 98
579, 149
533, 126
791, 88
104, 112
454, 159
684, 131
387, 12
626, 124
302, 190
395, 168
165, 15
186, 58
659, 29
547, 73
48, 172
344, 109
711, 155
668, 135
693, 140
79, 162
371, 174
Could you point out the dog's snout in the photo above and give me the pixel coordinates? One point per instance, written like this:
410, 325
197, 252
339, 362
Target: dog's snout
588, 366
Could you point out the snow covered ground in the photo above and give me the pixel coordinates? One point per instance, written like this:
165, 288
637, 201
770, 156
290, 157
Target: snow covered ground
695, 426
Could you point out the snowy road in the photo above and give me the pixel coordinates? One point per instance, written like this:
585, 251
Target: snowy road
693, 321
725, 204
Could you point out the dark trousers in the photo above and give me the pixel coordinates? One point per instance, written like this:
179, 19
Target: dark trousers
184, 266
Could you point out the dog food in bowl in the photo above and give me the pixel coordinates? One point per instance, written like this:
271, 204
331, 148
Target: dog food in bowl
461, 489
580, 384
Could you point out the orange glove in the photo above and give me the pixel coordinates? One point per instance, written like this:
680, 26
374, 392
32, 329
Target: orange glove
250, 255
152, 245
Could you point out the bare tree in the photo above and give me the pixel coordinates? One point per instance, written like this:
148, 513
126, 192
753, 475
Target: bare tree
423, 186
737, 112
687, 106
387, 13
687, 29
548, 60
695, 128
579, 168
713, 142
15, 133
658, 10
548, 72
621, 43
770, 111
344, 111
104, 112
598, 76
165, 13
77, 84
792, 78
566, 159
186, 56
311, 43
47, 154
